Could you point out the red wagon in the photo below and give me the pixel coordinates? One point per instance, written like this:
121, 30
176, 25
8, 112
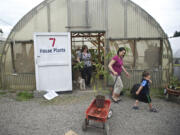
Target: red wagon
99, 115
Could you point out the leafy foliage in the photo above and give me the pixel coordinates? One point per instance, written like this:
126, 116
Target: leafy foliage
174, 81
100, 71
3, 92
23, 96
176, 34
78, 66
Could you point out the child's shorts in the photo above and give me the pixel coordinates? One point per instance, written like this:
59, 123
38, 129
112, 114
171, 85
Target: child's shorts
143, 98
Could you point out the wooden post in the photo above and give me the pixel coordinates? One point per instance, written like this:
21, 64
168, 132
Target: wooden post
135, 55
161, 60
161, 52
12, 57
99, 44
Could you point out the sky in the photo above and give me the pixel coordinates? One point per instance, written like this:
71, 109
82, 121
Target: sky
165, 12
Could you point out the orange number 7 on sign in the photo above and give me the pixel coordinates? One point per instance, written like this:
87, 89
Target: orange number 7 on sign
54, 39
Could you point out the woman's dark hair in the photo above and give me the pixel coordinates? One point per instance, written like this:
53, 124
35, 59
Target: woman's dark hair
84, 47
120, 50
145, 74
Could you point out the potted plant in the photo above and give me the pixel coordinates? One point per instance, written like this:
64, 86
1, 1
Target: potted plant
99, 68
98, 85
100, 74
100, 97
77, 67
174, 82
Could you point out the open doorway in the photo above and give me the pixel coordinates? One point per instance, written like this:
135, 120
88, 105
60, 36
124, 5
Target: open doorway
95, 43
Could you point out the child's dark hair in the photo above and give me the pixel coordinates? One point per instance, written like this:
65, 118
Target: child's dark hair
145, 74
120, 50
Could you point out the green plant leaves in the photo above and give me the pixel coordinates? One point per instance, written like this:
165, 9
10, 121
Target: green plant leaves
174, 81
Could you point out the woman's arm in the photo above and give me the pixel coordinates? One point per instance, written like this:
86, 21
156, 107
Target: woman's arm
78, 59
91, 59
110, 67
127, 74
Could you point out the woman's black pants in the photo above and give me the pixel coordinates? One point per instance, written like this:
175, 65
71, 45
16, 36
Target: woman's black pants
86, 74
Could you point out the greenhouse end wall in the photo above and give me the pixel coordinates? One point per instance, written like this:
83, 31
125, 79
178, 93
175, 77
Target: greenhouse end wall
123, 22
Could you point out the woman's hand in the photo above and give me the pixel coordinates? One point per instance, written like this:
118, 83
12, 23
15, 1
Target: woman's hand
115, 73
127, 74
93, 63
78, 60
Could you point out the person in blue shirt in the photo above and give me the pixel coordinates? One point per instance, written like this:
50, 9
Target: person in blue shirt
142, 94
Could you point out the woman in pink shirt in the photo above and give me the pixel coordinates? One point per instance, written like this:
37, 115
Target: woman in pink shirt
116, 67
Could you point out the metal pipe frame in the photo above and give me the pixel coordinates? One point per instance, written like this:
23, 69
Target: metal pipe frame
135, 38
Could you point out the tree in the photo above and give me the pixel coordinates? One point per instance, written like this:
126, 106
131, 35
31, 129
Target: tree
176, 34
1, 31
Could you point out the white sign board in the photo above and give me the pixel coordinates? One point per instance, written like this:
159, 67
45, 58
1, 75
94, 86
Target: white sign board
52, 53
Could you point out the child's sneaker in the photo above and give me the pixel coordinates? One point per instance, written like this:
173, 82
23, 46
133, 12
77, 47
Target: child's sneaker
135, 107
153, 110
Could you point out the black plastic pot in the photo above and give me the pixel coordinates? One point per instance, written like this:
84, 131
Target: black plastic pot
100, 101
101, 77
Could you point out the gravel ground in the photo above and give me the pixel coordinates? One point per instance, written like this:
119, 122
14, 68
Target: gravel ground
67, 112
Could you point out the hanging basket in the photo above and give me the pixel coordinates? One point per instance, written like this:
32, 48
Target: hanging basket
100, 101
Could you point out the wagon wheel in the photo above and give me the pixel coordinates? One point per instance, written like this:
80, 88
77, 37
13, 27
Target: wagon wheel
84, 125
110, 113
106, 128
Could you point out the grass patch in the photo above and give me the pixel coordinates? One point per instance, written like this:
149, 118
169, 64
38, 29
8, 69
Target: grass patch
157, 92
67, 99
126, 92
24, 96
3, 93
154, 92
177, 65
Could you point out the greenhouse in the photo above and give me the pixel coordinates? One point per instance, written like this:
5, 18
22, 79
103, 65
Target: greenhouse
102, 25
